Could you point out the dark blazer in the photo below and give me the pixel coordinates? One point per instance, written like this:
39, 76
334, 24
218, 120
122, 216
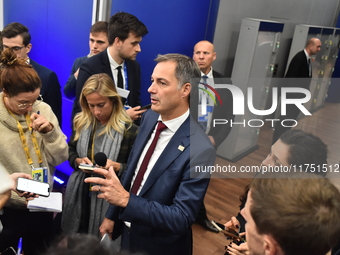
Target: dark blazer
162, 214
224, 111
297, 76
100, 64
70, 86
50, 89
298, 68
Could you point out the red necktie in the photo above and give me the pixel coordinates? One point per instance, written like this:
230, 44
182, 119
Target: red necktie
136, 184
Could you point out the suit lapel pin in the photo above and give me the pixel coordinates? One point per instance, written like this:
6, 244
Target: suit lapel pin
180, 147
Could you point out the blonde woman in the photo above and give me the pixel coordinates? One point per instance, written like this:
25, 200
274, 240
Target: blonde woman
102, 126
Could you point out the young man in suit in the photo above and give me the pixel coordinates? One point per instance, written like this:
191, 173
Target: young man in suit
16, 37
299, 74
154, 211
118, 61
97, 43
204, 55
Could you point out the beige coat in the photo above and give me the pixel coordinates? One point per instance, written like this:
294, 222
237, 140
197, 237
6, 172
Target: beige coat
53, 146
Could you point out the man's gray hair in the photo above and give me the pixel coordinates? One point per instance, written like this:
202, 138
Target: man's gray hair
186, 68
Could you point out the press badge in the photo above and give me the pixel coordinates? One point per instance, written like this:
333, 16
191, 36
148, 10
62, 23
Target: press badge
40, 174
203, 115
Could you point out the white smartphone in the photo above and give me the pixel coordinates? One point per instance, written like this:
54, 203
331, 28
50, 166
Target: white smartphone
36, 187
87, 167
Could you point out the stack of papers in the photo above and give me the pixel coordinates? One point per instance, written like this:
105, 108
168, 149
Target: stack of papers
53, 203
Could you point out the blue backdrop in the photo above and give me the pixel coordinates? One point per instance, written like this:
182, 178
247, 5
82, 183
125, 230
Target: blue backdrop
60, 33
174, 27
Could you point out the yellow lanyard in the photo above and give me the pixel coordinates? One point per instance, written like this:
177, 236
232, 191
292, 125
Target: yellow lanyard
24, 144
92, 146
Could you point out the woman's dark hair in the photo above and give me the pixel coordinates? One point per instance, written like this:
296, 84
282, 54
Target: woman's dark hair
16, 76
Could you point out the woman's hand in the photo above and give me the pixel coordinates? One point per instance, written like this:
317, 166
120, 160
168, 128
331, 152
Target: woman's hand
85, 160
40, 124
27, 195
235, 249
233, 224
115, 165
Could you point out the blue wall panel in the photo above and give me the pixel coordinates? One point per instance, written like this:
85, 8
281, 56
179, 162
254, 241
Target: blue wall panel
174, 27
60, 31
60, 34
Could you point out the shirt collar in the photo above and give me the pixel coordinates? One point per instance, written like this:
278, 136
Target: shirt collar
113, 63
174, 124
307, 56
210, 74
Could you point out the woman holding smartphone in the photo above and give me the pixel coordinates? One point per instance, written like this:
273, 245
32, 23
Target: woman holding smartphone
29, 141
102, 126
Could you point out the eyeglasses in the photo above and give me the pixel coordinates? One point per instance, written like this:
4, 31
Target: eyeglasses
15, 49
38, 101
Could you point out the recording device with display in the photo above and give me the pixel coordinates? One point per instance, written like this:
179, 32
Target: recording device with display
32, 186
100, 159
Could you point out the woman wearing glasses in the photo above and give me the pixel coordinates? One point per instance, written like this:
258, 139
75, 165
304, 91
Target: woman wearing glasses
31, 140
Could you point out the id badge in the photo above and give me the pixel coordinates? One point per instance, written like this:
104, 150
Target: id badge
203, 115
40, 174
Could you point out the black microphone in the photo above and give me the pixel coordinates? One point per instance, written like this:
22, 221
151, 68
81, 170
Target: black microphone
100, 158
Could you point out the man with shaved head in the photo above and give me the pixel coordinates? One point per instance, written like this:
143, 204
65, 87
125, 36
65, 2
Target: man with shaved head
299, 75
204, 55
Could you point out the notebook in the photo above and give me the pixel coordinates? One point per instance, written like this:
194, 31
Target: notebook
53, 203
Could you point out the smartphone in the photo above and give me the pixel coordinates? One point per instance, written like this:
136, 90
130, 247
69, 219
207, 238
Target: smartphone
32, 186
148, 106
231, 233
87, 167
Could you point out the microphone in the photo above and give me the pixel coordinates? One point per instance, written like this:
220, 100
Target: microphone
100, 159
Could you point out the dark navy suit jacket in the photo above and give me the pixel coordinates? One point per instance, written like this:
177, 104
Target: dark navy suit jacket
100, 64
70, 86
162, 214
50, 89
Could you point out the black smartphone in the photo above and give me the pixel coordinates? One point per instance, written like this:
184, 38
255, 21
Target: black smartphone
32, 186
148, 106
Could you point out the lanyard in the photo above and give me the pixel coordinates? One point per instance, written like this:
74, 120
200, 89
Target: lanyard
126, 82
24, 144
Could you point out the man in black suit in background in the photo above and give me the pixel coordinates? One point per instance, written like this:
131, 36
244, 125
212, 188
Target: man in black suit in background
204, 54
300, 75
118, 61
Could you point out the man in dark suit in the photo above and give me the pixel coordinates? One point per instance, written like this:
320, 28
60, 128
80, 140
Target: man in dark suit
155, 217
118, 61
97, 43
204, 55
16, 37
299, 74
